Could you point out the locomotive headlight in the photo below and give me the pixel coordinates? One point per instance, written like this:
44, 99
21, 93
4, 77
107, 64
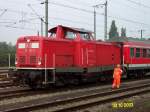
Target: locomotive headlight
28, 40
39, 61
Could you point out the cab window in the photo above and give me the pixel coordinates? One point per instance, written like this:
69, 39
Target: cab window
70, 35
85, 36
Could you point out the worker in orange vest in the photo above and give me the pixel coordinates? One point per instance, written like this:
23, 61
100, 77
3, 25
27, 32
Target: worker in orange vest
117, 76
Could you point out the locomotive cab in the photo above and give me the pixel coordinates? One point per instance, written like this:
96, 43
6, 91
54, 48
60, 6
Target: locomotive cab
68, 33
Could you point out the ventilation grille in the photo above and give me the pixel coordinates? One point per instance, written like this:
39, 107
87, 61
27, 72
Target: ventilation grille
22, 59
32, 59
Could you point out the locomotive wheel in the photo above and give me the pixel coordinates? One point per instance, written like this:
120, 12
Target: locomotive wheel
58, 82
32, 84
130, 75
75, 81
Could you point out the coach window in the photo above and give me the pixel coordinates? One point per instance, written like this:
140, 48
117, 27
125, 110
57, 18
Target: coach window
70, 35
137, 52
132, 52
148, 53
144, 53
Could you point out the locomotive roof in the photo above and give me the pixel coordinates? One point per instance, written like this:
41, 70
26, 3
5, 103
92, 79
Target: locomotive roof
71, 28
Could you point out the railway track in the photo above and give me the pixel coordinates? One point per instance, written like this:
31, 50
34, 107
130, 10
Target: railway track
5, 79
18, 91
99, 98
4, 84
4, 70
79, 101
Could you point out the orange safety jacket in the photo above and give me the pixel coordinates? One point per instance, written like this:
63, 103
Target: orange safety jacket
117, 73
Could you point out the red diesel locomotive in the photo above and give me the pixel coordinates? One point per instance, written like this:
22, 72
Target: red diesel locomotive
72, 55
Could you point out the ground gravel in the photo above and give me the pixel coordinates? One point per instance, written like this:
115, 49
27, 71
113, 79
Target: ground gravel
139, 103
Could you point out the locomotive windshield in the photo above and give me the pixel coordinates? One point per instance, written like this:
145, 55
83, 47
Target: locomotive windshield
85, 36
28, 45
52, 34
70, 35
21, 45
34, 45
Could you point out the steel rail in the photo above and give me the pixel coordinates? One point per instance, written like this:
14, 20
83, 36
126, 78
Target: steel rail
6, 84
15, 94
104, 100
4, 71
110, 95
23, 91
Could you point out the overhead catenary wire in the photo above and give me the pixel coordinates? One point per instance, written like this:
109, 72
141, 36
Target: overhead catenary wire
80, 9
29, 5
80, 3
41, 18
4, 22
16, 27
88, 11
138, 3
19, 2
129, 20
4, 11
129, 6
71, 7
16, 11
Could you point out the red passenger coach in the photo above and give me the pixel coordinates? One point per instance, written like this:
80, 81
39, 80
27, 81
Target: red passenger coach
135, 55
68, 55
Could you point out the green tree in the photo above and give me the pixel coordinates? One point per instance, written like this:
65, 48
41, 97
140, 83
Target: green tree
5, 50
113, 30
123, 32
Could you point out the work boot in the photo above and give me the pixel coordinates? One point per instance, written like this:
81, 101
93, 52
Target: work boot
117, 86
113, 86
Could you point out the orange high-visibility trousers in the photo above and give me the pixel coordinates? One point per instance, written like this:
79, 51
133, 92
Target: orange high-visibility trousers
116, 82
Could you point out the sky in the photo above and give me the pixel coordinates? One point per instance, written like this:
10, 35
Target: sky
22, 17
